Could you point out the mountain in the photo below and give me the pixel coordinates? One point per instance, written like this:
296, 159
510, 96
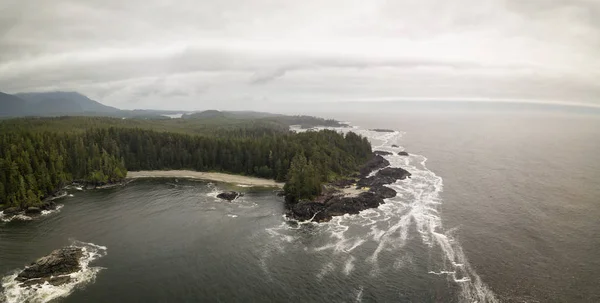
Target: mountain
63, 103
12, 106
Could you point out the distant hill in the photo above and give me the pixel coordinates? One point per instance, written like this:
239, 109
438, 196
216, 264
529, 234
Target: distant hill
303, 121
11, 106
54, 104
63, 103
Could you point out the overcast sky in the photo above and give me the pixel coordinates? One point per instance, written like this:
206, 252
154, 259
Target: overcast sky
230, 54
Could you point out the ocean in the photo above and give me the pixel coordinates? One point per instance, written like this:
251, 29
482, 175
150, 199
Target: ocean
503, 206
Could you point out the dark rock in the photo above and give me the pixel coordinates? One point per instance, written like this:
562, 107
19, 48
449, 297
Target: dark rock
228, 195
394, 145
33, 211
403, 153
394, 172
382, 130
375, 163
48, 205
382, 153
385, 176
60, 262
336, 205
59, 280
280, 193
11, 211
383, 191
333, 203
306, 210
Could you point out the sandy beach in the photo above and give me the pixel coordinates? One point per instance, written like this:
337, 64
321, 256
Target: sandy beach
218, 177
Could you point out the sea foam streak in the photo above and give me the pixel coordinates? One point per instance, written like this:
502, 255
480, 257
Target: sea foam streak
47, 292
414, 207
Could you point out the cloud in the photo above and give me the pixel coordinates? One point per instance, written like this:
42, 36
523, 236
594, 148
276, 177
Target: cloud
240, 53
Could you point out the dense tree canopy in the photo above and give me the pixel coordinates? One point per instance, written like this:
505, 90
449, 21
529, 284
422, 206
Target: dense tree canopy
39, 156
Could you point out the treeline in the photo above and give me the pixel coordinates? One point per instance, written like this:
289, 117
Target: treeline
35, 163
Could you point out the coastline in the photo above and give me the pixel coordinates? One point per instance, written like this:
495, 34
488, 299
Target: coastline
210, 176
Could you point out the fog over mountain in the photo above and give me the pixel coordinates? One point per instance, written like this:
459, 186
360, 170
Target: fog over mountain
268, 55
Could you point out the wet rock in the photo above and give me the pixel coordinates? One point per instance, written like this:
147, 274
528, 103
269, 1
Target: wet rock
375, 163
11, 211
394, 145
60, 262
403, 153
336, 205
33, 211
59, 280
48, 205
383, 191
382, 153
280, 193
306, 210
385, 176
332, 202
228, 195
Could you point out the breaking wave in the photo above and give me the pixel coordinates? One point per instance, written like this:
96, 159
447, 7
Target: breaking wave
391, 226
46, 292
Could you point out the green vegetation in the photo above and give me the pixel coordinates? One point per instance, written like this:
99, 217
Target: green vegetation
38, 156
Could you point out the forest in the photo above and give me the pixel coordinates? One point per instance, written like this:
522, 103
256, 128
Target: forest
39, 156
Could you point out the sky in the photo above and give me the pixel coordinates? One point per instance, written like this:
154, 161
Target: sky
245, 54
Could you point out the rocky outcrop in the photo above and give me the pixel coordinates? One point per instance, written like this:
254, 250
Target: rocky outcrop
382, 153
228, 195
52, 267
383, 191
48, 205
375, 163
33, 211
11, 211
403, 153
30, 211
336, 205
333, 201
385, 176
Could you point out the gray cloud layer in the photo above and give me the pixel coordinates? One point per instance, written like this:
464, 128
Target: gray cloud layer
232, 54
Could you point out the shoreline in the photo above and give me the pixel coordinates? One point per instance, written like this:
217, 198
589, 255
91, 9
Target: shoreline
210, 176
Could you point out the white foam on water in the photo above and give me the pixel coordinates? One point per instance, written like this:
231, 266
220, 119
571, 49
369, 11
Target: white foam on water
46, 292
359, 294
415, 206
57, 209
19, 217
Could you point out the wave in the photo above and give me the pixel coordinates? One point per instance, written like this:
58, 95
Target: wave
414, 208
23, 217
46, 292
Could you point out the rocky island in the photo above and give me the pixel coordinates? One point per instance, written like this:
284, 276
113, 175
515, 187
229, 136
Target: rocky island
53, 268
